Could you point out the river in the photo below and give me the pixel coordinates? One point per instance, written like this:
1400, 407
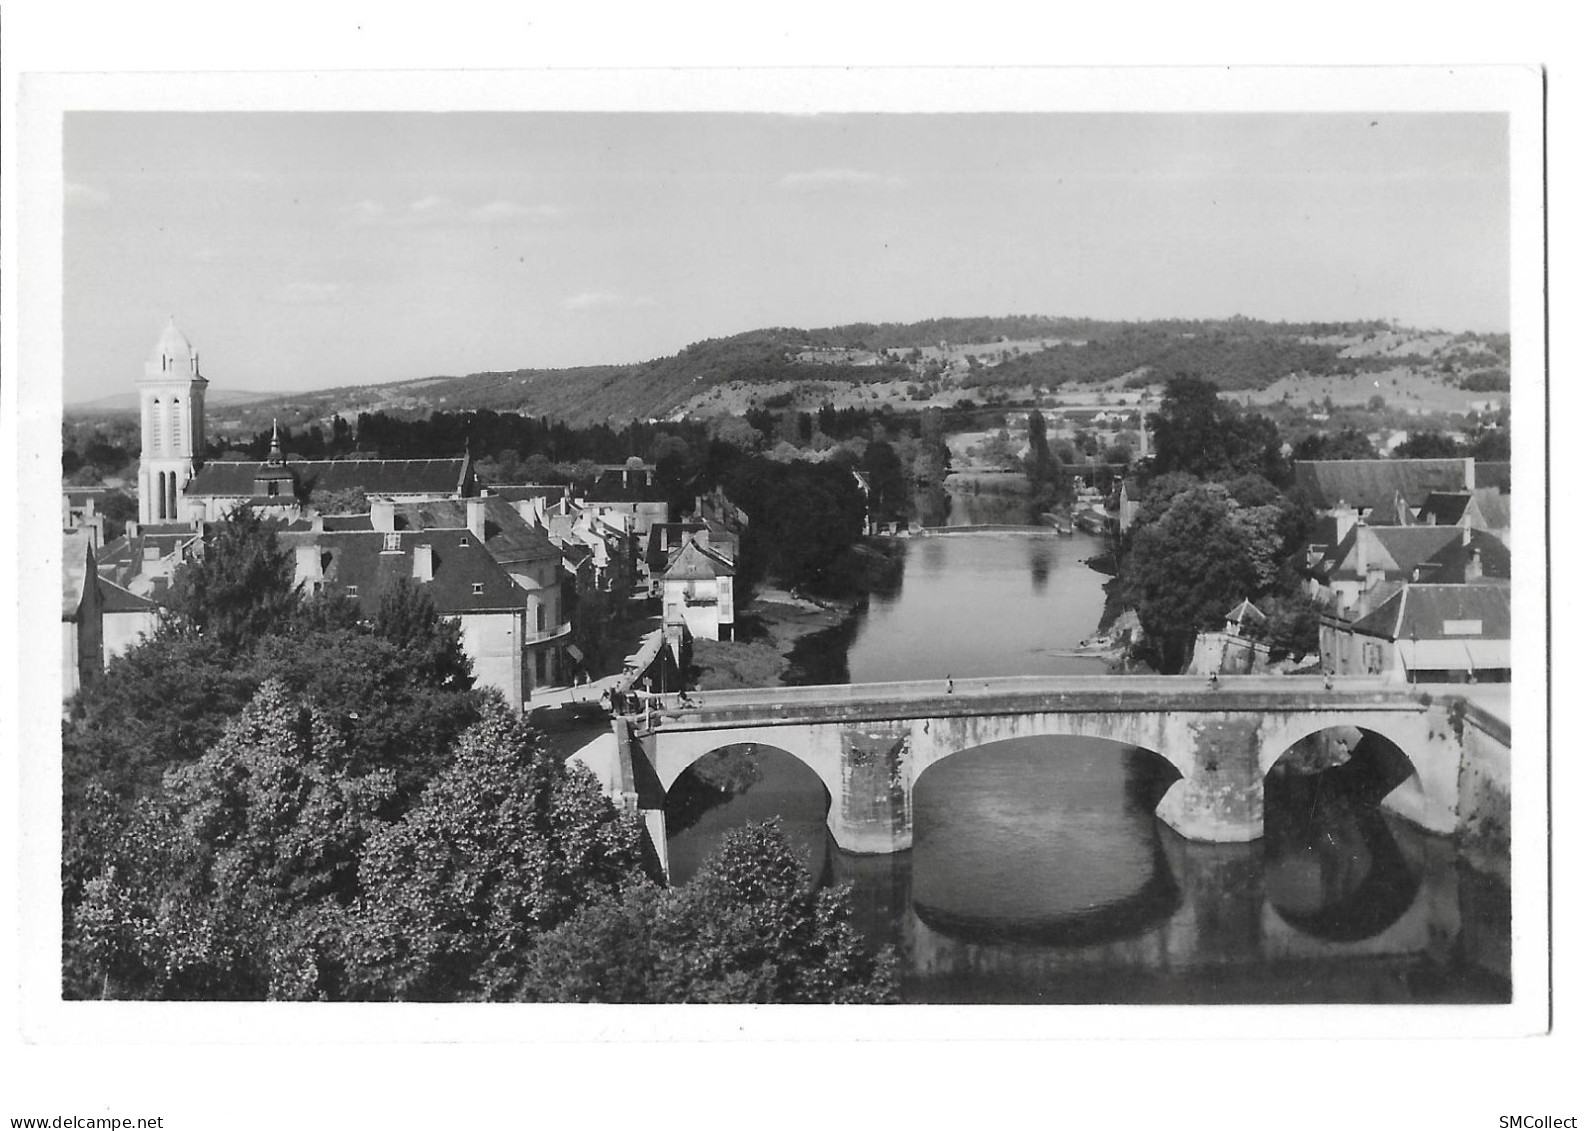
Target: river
1039, 873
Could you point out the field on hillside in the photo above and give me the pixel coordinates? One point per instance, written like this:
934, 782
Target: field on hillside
1080, 363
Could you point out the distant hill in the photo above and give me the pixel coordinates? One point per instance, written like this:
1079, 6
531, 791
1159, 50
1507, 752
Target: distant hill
128, 401
938, 361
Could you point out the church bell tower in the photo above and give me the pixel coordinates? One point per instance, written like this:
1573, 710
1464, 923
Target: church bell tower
171, 401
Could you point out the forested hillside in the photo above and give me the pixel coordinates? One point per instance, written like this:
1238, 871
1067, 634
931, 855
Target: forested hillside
943, 360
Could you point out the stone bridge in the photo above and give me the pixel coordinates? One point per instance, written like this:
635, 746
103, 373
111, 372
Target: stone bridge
870, 743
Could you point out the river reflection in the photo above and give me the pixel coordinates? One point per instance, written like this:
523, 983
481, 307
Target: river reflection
1040, 874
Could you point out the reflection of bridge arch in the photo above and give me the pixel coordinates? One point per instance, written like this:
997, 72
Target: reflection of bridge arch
1082, 886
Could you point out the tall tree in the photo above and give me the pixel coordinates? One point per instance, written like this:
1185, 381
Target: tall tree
885, 473
1198, 432
241, 587
1186, 569
507, 842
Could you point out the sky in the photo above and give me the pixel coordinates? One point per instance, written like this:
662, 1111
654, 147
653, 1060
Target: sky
306, 250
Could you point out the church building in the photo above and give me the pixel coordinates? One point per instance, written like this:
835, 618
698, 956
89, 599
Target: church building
171, 403
176, 485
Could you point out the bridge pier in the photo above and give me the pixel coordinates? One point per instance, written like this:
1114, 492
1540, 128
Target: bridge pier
1219, 796
872, 812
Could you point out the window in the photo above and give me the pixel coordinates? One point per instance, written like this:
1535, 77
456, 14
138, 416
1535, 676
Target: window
352, 590
540, 618
463, 542
479, 588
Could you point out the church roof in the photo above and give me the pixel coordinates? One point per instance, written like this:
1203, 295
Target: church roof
375, 476
172, 343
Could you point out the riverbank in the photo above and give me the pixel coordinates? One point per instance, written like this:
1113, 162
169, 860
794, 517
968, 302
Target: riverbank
778, 628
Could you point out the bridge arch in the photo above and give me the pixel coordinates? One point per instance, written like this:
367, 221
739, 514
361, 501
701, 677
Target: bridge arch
1396, 757
944, 738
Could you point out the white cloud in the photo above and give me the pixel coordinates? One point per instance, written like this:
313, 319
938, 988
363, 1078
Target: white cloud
605, 300
818, 178
80, 195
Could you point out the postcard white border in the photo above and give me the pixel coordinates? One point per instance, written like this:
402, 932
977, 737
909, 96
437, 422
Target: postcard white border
1512, 90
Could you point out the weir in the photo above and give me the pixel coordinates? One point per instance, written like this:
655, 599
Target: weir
870, 743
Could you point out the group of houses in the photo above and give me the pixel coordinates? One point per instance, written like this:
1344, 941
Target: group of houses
531, 573
1410, 564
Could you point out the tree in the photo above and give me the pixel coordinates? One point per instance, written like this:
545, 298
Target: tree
751, 927
1198, 432
885, 472
399, 707
119, 508
1350, 443
1428, 445
1184, 570
1292, 625
507, 842
242, 586
1491, 446
222, 886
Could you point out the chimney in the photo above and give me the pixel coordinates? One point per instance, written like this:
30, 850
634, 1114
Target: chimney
1344, 520
131, 531
476, 515
1474, 566
317, 523
383, 514
424, 563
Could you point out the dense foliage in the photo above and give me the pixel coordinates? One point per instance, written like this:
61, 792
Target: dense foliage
301, 799
508, 841
750, 927
803, 517
1213, 527
1197, 432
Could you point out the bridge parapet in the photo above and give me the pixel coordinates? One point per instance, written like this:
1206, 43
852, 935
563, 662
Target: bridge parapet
867, 702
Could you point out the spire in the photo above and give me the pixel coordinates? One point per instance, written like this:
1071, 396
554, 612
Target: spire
275, 458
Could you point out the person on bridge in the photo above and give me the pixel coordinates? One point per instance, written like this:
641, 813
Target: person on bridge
950, 690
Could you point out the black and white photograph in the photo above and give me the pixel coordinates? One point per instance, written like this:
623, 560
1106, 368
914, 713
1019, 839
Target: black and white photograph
620, 556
